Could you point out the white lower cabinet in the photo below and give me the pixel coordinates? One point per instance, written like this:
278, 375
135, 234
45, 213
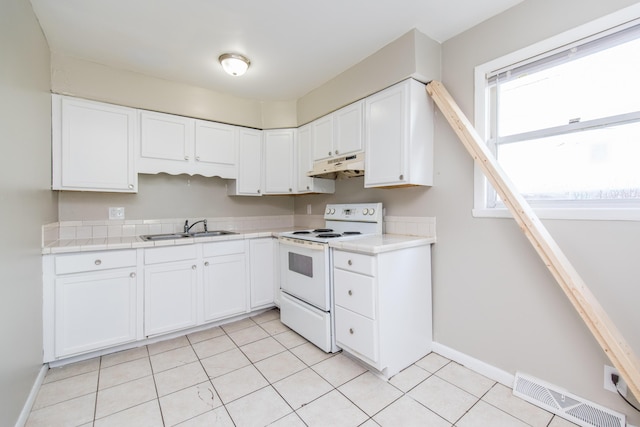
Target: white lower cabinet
92, 301
225, 284
383, 306
170, 289
262, 271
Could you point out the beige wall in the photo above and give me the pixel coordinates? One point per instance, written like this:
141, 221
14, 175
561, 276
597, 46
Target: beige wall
27, 203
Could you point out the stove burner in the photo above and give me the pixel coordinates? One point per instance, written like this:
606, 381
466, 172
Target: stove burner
322, 230
326, 235
351, 233
301, 232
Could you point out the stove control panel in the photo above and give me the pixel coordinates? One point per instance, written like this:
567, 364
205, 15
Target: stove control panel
361, 212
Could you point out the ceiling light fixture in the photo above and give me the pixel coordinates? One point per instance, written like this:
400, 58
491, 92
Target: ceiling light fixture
234, 63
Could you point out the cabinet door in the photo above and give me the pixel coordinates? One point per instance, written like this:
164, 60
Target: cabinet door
386, 133
166, 143
94, 311
304, 161
216, 149
170, 297
262, 272
225, 286
93, 146
279, 157
249, 182
322, 137
349, 129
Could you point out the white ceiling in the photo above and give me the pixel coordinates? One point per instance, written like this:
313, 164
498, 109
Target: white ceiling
294, 45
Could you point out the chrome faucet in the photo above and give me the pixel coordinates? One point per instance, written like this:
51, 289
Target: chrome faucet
188, 227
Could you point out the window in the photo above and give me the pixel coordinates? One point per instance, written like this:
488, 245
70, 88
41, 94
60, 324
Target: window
565, 126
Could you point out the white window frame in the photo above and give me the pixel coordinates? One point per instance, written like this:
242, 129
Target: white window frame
481, 108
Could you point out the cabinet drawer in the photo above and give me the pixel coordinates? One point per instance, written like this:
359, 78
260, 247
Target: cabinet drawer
357, 333
355, 292
94, 261
223, 248
358, 263
170, 253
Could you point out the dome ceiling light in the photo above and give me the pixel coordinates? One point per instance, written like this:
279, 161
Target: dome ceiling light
234, 63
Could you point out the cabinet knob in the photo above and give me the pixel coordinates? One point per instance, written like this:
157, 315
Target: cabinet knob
308, 187
206, 263
329, 152
197, 158
258, 191
350, 292
97, 262
131, 186
350, 262
193, 267
290, 190
132, 275
401, 177
337, 152
186, 157
351, 331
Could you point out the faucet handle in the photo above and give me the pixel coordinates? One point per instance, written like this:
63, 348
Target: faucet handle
186, 226
204, 222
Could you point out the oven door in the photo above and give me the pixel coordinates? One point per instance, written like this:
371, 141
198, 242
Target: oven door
304, 271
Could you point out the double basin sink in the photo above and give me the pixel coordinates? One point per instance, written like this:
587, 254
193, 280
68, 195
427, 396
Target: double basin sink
177, 236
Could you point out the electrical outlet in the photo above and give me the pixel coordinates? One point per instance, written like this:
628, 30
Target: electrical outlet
608, 383
116, 213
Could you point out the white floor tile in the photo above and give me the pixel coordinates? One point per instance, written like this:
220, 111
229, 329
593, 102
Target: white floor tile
443, 398
237, 325
213, 346
502, 397
409, 378
124, 356
166, 345
274, 327
289, 339
407, 412
432, 362
466, 379
189, 403
223, 363
258, 409
184, 376
147, 414
68, 388
370, 393
266, 316
310, 354
72, 369
332, 409
206, 334
262, 349
248, 335
338, 370
302, 388
71, 412
239, 383
482, 414
124, 372
172, 359
219, 417
291, 420
124, 396
280, 366
560, 422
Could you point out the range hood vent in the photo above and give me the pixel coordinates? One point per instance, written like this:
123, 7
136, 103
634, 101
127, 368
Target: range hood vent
340, 167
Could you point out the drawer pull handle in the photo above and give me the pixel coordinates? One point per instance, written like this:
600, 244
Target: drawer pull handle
350, 293
350, 262
193, 267
132, 275
97, 262
351, 331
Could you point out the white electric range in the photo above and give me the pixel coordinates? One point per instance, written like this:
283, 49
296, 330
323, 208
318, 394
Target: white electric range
306, 264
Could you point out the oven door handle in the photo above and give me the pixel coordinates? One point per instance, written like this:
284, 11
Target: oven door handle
302, 243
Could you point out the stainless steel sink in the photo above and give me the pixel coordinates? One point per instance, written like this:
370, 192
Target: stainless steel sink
176, 236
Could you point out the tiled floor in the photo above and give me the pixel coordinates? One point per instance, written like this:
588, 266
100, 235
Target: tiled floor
257, 372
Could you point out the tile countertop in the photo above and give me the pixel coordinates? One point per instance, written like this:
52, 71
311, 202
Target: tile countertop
382, 243
369, 245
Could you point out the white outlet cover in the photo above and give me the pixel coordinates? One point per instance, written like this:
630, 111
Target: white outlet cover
608, 384
116, 213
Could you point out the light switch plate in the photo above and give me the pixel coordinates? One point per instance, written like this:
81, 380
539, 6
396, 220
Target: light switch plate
116, 213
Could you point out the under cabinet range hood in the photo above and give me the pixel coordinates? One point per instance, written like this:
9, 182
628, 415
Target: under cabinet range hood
343, 167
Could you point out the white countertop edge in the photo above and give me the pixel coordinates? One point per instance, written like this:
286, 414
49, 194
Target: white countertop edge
383, 243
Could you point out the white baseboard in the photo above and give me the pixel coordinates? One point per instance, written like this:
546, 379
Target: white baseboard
28, 404
474, 364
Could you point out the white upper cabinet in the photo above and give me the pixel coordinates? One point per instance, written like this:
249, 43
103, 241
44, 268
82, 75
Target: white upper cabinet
339, 133
249, 182
93, 146
176, 145
399, 136
279, 158
304, 164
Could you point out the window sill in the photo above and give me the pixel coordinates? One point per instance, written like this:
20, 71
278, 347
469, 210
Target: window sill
591, 214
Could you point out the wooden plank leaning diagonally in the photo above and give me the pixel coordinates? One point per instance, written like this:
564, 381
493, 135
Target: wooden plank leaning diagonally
592, 313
